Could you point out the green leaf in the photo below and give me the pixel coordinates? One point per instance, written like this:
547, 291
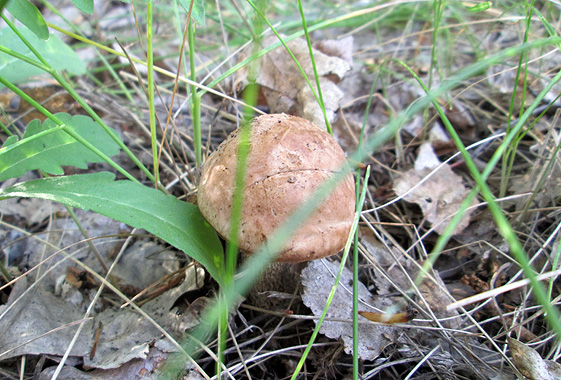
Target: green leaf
56, 53
10, 140
198, 12
85, 6
178, 223
46, 151
28, 14
480, 7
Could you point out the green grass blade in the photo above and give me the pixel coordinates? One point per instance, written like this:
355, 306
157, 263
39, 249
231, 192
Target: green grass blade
360, 202
316, 76
553, 315
196, 8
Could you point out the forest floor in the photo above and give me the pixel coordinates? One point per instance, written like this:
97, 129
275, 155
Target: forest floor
488, 64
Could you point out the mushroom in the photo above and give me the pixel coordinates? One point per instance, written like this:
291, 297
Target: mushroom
290, 158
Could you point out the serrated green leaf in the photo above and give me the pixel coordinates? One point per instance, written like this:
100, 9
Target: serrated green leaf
28, 14
178, 223
48, 151
10, 140
56, 53
85, 6
198, 12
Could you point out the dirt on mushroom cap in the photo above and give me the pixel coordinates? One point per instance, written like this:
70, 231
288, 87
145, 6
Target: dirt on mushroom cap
290, 157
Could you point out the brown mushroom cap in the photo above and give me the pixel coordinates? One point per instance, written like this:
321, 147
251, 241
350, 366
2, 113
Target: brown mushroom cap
290, 157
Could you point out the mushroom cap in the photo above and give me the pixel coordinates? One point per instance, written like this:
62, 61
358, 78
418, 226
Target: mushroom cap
290, 158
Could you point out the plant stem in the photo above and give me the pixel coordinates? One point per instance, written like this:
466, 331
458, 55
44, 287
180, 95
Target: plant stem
150, 65
316, 76
195, 98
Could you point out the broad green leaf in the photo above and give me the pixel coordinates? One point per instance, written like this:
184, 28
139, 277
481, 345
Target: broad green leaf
56, 53
48, 151
85, 6
28, 14
198, 12
178, 223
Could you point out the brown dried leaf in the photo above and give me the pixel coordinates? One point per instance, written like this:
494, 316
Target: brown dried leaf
285, 89
529, 362
145, 369
318, 278
439, 195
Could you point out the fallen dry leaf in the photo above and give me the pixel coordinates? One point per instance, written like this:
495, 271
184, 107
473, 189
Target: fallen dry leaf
318, 278
32, 210
145, 369
439, 195
127, 335
285, 89
30, 319
529, 362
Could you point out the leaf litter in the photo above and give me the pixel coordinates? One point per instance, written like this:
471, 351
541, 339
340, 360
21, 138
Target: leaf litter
44, 307
373, 338
435, 188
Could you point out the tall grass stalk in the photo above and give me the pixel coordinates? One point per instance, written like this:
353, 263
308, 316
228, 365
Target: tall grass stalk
359, 206
283, 41
313, 61
183, 38
106, 65
195, 97
510, 154
152, 109
438, 11
243, 153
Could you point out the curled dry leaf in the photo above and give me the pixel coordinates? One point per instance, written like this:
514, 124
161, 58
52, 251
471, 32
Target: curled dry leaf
439, 195
283, 87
